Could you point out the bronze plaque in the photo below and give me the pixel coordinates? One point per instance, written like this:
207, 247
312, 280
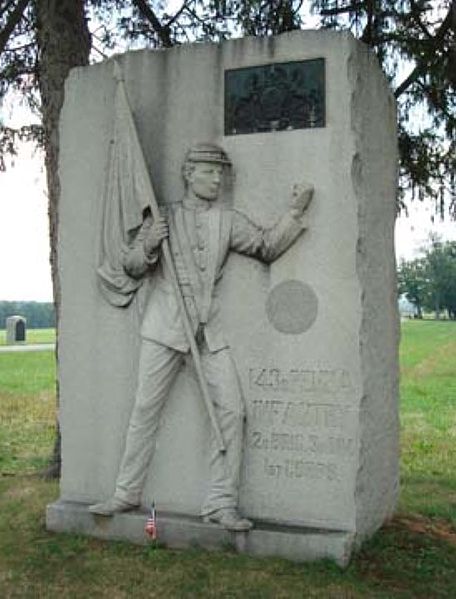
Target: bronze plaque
275, 97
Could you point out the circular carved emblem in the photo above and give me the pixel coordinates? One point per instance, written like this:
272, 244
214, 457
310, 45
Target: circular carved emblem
292, 307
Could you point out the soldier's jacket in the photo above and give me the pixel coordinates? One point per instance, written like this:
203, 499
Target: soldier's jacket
200, 241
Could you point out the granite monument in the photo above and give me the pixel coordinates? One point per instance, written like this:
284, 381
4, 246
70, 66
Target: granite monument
272, 412
16, 329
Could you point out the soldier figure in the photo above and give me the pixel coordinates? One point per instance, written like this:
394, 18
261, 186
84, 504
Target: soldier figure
201, 235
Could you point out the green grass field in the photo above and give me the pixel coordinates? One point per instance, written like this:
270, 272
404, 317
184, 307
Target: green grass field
27, 410
428, 418
33, 336
414, 556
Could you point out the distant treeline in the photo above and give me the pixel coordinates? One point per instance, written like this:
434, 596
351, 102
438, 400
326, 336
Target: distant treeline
39, 315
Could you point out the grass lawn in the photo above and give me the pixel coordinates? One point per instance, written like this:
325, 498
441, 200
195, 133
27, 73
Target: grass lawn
27, 410
414, 556
33, 336
428, 419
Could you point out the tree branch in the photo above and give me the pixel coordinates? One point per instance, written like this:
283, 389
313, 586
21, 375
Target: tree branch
17, 48
178, 13
5, 8
340, 10
14, 18
162, 31
298, 7
367, 35
434, 43
195, 16
102, 54
447, 24
416, 17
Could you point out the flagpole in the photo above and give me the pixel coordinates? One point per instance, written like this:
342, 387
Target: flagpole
168, 259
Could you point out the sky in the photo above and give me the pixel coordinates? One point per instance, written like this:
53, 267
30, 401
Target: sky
24, 231
412, 232
24, 241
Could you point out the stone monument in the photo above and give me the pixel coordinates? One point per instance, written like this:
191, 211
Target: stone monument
271, 410
15, 330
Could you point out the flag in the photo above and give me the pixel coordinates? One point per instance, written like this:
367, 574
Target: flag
151, 524
126, 196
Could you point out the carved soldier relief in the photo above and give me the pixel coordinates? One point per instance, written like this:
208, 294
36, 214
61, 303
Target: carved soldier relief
185, 253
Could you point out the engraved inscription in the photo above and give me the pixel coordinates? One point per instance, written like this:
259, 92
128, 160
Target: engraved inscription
275, 97
281, 432
297, 436
302, 443
298, 380
296, 469
300, 413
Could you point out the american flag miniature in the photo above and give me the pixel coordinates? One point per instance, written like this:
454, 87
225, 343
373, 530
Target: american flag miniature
151, 524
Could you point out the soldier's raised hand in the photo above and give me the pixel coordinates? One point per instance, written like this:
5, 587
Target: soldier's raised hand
156, 234
302, 194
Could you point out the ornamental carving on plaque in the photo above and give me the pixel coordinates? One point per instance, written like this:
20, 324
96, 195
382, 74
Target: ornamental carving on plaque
275, 97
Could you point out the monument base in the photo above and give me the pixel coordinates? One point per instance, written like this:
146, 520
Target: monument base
179, 531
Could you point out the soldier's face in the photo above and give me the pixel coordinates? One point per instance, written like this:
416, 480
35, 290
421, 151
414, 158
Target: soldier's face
205, 179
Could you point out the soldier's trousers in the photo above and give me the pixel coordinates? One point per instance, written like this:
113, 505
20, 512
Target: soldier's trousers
158, 368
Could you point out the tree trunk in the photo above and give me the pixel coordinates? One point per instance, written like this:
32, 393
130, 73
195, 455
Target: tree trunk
437, 307
64, 42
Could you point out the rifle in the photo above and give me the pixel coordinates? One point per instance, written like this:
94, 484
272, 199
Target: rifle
169, 262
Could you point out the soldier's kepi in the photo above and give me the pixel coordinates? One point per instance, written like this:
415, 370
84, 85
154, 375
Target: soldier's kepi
201, 234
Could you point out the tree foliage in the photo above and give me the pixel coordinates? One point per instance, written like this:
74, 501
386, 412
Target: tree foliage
418, 34
430, 280
441, 269
39, 315
412, 282
413, 40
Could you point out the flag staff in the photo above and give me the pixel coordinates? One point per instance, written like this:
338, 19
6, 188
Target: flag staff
168, 259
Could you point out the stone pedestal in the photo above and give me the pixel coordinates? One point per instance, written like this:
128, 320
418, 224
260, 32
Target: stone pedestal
314, 336
181, 531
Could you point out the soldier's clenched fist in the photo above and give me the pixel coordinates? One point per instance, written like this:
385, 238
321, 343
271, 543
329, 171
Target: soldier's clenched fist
156, 234
302, 194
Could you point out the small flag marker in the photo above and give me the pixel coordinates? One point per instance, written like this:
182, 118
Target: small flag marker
151, 524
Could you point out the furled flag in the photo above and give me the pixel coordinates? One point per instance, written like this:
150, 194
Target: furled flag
151, 524
126, 196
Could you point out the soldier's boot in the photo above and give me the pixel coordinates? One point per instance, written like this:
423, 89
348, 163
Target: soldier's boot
230, 519
112, 506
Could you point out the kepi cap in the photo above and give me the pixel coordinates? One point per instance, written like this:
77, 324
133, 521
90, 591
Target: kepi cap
207, 152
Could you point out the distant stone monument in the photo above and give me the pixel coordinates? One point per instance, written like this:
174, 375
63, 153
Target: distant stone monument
257, 408
407, 309
15, 330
